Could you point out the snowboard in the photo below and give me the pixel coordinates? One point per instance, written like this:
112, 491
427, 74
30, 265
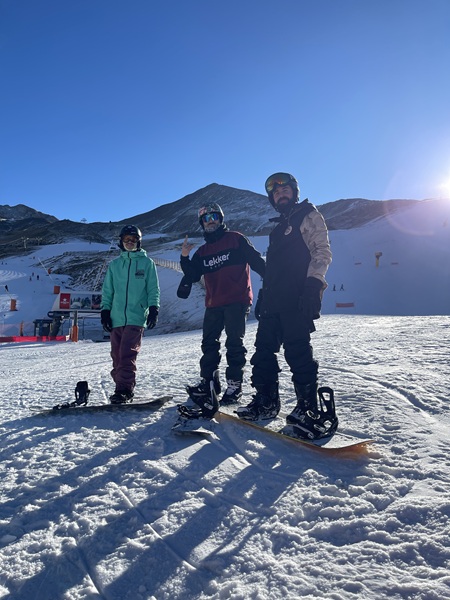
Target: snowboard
153, 404
209, 413
340, 444
200, 427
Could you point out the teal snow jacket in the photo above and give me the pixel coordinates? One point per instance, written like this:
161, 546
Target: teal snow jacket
131, 285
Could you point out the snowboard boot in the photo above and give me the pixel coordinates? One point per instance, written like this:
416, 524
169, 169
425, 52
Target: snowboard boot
233, 393
306, 401
206, 408
265, 404
314, 417
202, 389
121, 397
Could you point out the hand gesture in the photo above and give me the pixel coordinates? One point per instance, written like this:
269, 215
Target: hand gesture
186, 247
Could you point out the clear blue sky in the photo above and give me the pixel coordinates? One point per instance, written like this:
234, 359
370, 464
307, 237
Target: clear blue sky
109, 108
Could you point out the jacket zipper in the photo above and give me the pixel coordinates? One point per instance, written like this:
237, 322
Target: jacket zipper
126, 294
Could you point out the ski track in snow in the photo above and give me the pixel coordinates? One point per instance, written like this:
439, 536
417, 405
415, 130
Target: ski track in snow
114, 506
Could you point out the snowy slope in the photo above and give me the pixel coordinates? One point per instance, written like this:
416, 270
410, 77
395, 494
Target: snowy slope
413, 273
114, 506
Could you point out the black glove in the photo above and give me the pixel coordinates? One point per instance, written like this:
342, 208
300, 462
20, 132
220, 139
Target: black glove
184, 289
105, 318
310, 302
258, 305
152, 317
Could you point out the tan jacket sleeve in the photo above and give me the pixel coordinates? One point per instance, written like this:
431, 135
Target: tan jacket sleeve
315, 234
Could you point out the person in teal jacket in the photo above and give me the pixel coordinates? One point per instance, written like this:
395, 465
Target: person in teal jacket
130, 302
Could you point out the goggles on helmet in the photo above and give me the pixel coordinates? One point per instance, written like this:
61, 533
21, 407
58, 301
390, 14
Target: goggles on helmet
209, 217
278, 179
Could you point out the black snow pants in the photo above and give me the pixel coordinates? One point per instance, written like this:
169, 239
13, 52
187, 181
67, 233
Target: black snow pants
289, 329
232, 318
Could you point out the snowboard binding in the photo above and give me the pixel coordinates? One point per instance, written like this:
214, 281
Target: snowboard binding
82, 392
206, 408
321, 423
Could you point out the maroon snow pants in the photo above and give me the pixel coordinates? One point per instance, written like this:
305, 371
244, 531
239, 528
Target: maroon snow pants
125, 345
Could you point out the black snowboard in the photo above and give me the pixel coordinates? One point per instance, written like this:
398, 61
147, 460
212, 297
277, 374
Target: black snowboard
153, 404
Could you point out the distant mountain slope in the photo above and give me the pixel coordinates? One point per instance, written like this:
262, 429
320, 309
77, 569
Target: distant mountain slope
20, 211
355, 212
22, 228
250, 213
244, 210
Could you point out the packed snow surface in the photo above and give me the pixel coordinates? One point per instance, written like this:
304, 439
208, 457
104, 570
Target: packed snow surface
115, 506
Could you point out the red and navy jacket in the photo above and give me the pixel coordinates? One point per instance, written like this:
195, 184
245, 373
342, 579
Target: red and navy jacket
225, 261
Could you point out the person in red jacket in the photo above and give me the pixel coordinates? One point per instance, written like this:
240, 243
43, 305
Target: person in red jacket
225, 260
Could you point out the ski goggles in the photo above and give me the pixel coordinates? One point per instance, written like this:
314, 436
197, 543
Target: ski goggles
210, 217
278, 179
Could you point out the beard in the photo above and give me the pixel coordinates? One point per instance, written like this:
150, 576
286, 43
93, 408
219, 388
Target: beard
284, 204
211, 227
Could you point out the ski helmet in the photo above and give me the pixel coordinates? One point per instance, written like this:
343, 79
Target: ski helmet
281, 179
208, 209
130, 230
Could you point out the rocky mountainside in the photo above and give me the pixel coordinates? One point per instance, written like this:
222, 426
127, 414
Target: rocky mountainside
20, 211
22, 228
250, 213
244, 211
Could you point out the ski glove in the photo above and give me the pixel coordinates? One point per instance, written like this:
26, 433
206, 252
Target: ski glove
152, 317
258, 305
184, 289
105, 317
310, 302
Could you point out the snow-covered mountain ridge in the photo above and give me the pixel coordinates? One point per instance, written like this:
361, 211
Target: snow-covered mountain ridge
23, 228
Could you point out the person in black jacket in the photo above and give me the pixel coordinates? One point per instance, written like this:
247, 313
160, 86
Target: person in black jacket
225, 260
290, 299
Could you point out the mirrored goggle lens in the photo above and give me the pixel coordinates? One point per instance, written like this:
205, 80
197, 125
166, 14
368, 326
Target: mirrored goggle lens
277, 179
129, 240
208, 218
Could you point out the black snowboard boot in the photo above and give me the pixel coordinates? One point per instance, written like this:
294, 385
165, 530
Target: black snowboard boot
265, 404
306, 401
121, 397
233, 393
202, 389
314, 417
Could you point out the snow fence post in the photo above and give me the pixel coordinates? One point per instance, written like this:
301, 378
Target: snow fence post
74, 329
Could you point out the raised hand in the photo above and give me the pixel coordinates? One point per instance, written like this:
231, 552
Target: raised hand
186, 247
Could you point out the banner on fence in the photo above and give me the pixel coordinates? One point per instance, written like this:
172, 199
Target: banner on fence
81, 301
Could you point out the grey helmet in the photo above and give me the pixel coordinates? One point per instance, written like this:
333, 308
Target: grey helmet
282, 179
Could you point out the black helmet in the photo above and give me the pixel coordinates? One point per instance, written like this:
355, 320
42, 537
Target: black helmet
281, 179
208, 209
130, 230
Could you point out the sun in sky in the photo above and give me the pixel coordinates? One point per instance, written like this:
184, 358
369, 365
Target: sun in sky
444, 189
